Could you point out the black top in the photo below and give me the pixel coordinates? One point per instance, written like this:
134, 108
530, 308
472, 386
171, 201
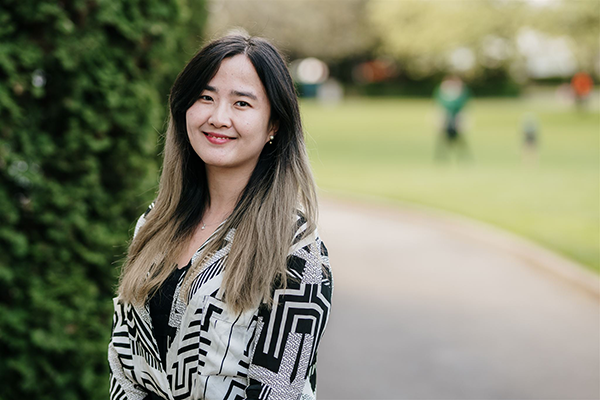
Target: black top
160, 310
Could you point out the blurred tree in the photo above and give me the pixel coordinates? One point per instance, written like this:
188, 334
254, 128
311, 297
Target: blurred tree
478, 38
83, 92
580, 21
428, 37
329, 30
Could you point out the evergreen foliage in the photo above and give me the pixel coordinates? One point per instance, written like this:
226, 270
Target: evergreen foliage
83, 95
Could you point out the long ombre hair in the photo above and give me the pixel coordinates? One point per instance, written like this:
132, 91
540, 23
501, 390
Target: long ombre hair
265, 214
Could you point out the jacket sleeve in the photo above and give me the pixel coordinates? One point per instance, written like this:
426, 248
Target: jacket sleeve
122, 388
284, 351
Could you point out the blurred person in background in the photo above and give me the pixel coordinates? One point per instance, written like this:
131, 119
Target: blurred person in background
226, 289
452, 95
581, 85
530, 131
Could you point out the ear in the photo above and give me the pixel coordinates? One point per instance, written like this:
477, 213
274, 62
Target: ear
273, 127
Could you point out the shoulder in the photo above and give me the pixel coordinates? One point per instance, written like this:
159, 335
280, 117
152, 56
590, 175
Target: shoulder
142, 219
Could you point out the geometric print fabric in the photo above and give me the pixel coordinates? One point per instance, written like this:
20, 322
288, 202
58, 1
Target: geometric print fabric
266, 353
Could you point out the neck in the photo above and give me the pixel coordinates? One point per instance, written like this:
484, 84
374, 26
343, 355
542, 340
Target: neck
225, 187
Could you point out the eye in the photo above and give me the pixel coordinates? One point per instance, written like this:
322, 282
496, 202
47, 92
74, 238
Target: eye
205, 97
242, 104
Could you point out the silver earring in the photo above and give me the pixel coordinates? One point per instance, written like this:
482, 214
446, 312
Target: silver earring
271, 139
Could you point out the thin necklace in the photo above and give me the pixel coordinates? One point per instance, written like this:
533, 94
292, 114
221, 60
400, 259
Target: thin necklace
204, 224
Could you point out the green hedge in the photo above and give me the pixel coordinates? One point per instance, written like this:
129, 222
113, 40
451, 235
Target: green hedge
491, 83
83, 96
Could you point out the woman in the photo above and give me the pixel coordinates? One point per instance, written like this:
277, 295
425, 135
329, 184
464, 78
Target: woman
226, 290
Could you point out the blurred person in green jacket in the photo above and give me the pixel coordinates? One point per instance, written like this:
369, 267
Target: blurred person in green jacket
452, 95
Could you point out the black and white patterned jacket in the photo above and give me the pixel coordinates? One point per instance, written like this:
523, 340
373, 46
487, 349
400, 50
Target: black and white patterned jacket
267, 354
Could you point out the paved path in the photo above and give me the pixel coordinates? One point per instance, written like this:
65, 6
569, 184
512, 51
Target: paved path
423, 311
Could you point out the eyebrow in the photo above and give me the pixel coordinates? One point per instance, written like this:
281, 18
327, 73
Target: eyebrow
233, 92
244, 94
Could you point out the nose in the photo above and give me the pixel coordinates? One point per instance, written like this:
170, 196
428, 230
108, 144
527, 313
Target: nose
220, 117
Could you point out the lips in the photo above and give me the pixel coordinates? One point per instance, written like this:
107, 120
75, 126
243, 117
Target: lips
217, 138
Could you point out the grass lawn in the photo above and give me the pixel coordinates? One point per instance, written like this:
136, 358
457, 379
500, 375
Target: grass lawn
385, 147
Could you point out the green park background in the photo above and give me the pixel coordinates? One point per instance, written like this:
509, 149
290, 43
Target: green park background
83, 95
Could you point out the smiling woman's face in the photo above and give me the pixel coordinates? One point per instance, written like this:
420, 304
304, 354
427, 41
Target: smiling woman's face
229, 124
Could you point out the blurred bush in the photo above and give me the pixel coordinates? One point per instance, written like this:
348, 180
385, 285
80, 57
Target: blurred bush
83, 93
489, 83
